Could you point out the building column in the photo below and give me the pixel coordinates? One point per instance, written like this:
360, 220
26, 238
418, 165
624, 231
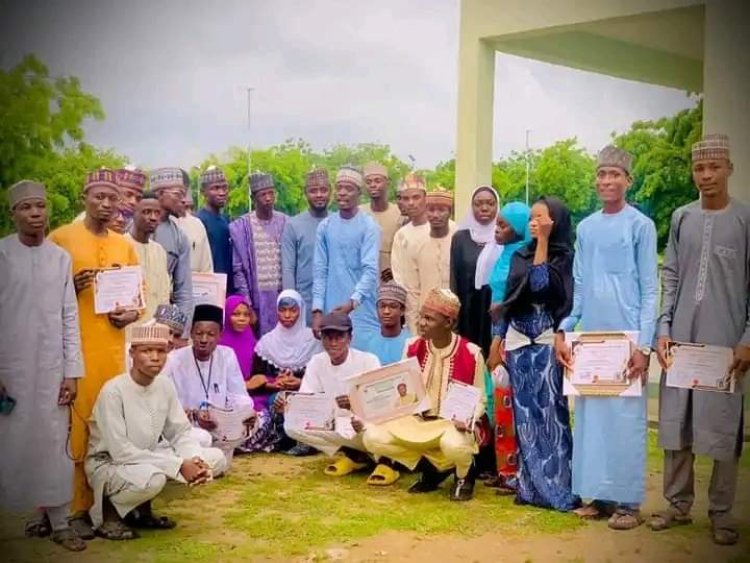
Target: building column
726, 84
476, 97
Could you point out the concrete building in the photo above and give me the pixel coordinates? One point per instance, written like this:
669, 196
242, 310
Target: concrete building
694, 45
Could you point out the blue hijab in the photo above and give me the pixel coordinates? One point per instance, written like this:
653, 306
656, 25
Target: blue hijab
517, 215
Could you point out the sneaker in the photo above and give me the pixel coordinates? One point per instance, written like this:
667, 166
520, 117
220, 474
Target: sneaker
428, 481
462, 490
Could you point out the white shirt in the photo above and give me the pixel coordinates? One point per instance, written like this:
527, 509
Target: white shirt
321, 376
200, 249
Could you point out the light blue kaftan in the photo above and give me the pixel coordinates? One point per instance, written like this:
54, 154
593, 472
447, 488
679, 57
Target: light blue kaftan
346, 268
389, 350
616, 288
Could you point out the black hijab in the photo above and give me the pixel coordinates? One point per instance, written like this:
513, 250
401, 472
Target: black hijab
558, 297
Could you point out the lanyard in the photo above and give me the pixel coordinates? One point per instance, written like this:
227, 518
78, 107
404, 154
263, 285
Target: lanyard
206, 385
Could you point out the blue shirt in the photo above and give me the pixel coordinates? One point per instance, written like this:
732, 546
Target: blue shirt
217, 228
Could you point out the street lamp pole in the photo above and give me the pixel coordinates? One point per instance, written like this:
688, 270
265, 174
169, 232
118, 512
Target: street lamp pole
249, 146
528, 165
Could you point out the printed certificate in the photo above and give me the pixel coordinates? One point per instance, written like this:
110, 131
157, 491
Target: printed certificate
700, 366
460, 403
309, 411
600, 364
118, 287
230, 426
209, 288
389, 392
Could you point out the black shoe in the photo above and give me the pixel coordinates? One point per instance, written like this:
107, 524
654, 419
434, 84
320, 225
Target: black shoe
301, 450
462, 490
429, 480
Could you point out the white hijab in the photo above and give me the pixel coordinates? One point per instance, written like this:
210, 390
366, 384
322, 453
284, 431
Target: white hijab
289, 348
483, 235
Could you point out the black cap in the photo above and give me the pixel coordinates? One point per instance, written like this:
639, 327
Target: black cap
337, 322
208, 312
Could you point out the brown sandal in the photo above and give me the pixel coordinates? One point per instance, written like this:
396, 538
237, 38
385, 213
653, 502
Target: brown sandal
669, 519
725, 535
625, 519
68, 539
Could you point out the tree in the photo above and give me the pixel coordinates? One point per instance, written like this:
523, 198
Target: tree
41, 137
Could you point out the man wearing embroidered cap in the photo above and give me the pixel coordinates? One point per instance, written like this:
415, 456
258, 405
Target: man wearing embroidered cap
345, 271
132, 182
425, 261
705, 280
413, 194
298, 240
386, 215
92, 248
140, 438
169, 185
40, 364
215, 190
615, 277
388, 344
434, 445
256, 251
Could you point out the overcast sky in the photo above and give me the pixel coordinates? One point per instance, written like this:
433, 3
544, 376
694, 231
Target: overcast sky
173, 75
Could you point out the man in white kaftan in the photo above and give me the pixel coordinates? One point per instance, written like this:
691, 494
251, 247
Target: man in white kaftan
140, 437
40, 359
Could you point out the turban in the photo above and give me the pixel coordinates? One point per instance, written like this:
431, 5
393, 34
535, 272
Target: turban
260, 181
130, 177
440, 196
442, 301
101, 177
171, 316
212, 176
711, 147
392, 291
168, 178
317, 177
413, 182
25, 189
351, 175
150, 334
375, 169
210, 313
612, 156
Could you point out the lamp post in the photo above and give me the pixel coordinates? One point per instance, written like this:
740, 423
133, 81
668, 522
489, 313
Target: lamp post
249, 146
528, 165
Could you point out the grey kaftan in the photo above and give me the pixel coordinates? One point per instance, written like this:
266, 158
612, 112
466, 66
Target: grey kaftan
705, 280
40, 346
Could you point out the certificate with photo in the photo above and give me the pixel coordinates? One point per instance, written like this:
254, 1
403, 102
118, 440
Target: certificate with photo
118, 288
700, 366
209, 288
230, 424
600, 364
389, 392
309, 411
460, 403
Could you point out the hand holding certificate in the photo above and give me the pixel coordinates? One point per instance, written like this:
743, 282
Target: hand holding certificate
600, 365
460, 403
389, 392
307, 411
230, 424
699, 366
118, 288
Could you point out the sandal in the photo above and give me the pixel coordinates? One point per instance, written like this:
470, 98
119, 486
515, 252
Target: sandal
589, 512
343, 465
625, 519
725, 535
68, 539
38, 528
151, 522
116, 530
82, 526
383, 476
668, 519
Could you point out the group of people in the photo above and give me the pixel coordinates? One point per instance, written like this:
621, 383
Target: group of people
325, 295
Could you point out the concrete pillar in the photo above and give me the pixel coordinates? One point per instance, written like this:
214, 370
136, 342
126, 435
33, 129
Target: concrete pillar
476, 97
726, 84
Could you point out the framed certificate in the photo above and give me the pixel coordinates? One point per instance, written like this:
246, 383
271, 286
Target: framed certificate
389, 392
209, 288
309, 411
118, 288
700, 366
600, 364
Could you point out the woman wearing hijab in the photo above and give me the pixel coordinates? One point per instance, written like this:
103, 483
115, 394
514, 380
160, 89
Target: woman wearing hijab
278, 365
239, 320
473, 253
511, 234
539, 295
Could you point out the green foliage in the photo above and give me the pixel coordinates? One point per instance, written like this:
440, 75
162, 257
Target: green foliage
41, 137
662, 179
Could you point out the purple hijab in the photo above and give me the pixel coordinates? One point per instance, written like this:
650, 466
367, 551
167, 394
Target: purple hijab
243, 343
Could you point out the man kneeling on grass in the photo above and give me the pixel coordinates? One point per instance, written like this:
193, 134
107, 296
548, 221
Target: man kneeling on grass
126, 465
437, 446
326, 373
